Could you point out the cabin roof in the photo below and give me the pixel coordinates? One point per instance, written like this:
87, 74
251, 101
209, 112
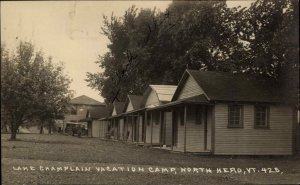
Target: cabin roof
137, 101
224, 86
199, 99
164, 92
85, 100
98, 112
109, 109
119, 106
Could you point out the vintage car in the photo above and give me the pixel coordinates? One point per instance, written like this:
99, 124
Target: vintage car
76, 129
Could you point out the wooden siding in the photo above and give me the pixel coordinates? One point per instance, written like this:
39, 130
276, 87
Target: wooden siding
129, 129
133, 129
152, 99
209, 128
190, 89
129, 107
89, 129
115, 125
155, 130
125, 132
195, 133
168, 123
96, 128
103, 129
180, 136
275, 140
148, 133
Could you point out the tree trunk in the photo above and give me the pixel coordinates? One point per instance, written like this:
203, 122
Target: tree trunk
4, 128
14, 129
42, 128
50, 127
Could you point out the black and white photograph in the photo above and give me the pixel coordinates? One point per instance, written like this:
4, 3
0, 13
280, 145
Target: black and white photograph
150, 92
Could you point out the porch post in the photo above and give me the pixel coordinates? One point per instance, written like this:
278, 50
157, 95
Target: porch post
132, 127
117, 125
126, 131
172, 123
213, 113
138, 127
151, 126
114, 129
184, 119
161, 130
205, 126
145, 126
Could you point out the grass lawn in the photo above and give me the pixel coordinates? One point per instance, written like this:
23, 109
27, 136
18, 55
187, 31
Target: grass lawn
57, 152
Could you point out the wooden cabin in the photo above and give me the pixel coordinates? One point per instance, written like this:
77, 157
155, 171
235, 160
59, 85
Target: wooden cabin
156, 131
133, 119
93, 114
100, 126
115, 120
229, 114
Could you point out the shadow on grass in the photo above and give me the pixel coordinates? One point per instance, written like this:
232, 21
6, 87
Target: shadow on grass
254, 157
52, 142
43, 142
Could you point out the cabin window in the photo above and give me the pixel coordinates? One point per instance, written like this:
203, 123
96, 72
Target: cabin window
181, 117
73, 110
261, 116
235, 116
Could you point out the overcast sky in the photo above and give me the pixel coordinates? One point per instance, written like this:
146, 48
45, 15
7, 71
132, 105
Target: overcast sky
69, 31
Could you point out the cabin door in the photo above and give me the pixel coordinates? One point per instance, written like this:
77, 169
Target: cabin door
207, 127
204, 108
140, 128
125, 128
136, 128
168, 128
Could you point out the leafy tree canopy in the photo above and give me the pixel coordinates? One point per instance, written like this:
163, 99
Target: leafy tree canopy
152, 47
31, 86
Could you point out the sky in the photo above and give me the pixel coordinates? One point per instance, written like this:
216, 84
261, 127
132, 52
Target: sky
68, 31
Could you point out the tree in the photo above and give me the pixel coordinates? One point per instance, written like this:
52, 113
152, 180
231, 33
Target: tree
269, 31
150, 47
32, 87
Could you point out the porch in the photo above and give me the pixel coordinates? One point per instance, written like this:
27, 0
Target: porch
182, 126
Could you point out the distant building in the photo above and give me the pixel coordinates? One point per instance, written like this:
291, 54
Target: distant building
84, 109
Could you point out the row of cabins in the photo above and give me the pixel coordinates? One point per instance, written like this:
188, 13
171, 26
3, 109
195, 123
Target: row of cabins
208, 112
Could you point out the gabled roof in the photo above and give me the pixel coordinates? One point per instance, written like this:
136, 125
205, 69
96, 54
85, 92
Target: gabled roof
136, 101
109, 109
200, 99
108, 112
119, 106
98, 112
85, 100
223, 86
164, 92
